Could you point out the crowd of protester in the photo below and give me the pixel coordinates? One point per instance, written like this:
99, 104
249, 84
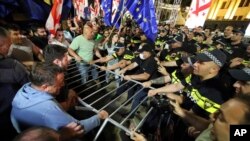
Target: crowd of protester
202, 72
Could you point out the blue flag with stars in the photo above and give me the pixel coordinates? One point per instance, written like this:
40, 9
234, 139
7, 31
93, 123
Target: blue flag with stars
107, 9
143, 13
120, 10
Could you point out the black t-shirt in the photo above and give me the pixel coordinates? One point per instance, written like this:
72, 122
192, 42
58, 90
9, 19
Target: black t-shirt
237, 50
40, 42
210, 89
149, 66
223, 39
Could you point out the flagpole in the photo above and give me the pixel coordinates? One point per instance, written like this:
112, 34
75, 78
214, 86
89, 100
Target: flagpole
123, 8
122, 16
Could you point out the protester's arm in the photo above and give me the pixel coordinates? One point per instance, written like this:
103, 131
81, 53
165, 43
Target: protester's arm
137, 137
71, 131
104, 59
97, 52
37, 52
197, 122
73, 53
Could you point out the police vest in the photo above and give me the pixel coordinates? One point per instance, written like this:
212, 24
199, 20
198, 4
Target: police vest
135, 41
172, 57
125, 56
175, 79
203, 102
246, 63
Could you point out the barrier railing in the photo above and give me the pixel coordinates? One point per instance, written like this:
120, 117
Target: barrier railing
90, 100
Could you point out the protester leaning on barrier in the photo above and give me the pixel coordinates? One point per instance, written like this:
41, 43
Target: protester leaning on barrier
37, 99
233, 112
83, 49
109, 47
58, 55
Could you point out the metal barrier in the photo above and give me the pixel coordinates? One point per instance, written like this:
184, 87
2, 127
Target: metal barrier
91, 99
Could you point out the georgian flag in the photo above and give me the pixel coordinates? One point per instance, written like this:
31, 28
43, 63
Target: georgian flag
197, 13
94, 11
79, 6
53, 21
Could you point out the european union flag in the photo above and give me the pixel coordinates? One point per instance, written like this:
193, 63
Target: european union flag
143, 13
40, 9
119, 11
7, 6
107, 9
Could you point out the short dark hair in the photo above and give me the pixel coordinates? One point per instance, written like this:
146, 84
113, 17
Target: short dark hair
13, 27
43, 73
52, 52
38, 134
34, 27
245, 99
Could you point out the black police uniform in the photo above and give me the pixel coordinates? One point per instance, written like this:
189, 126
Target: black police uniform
207, 95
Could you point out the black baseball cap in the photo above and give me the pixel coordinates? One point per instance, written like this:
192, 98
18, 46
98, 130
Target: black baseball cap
118, 46
239, 31
177, 38
240, 74
148, 48
217, 56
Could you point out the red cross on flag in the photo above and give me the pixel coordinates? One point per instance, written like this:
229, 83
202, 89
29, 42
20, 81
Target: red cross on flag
53, 21
197, 13
80, 6
95, 10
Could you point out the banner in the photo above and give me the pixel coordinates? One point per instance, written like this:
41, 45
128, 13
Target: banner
107, 9
143, 13
81, 8
53, 21
198, 13
94, 9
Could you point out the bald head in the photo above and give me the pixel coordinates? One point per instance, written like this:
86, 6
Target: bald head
88, 31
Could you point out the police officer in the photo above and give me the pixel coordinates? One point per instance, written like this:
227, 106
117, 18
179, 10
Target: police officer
204, 90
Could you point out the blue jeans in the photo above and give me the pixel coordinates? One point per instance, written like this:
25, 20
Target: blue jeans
137, 99
84, 71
